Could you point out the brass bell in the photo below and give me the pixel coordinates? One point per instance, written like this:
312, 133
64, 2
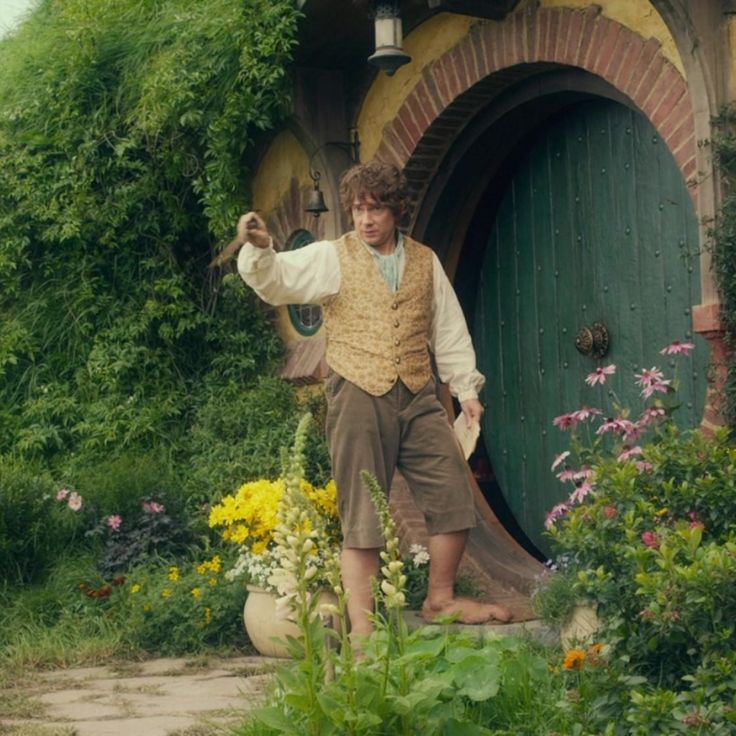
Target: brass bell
316, 201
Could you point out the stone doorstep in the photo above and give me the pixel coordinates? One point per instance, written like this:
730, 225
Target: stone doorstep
533, 628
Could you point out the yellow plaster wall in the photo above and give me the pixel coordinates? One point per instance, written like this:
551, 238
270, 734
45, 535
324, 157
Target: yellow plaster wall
284, 160
443, 31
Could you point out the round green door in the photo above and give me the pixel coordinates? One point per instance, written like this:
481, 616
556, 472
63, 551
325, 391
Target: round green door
596, 226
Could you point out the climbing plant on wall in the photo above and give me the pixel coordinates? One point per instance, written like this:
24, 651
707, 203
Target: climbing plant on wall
724, 246
125, 131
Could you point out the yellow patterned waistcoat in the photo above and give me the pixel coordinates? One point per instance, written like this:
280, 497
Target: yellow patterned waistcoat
375, 337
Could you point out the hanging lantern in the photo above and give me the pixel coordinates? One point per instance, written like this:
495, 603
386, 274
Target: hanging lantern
389, 55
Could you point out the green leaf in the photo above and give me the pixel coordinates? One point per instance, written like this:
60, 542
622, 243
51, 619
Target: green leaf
276, 719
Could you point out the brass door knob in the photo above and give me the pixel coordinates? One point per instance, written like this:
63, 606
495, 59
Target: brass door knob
593, 341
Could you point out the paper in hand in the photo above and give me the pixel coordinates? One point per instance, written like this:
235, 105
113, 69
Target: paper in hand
466, 436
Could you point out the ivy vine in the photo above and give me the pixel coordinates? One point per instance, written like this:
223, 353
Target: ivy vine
723, 242
125, 132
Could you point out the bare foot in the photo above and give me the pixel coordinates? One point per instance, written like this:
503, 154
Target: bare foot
466, 611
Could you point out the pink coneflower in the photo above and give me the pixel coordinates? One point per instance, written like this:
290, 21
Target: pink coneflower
650, 539
599, 375
114, 522
579, 494
585, 413
644, 467
585, 473
618, 425
609, 511
566, 474
628, 453
62, 494
650, 414
565, 421
75, 501
559, 458
556, 513
651, 381
152, 507
677, 348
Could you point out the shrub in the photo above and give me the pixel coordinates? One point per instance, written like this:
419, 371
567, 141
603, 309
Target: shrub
35, 528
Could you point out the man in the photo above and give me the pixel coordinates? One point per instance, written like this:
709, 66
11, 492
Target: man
386, 303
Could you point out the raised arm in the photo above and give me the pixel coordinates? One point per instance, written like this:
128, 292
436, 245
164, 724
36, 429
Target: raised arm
307, 275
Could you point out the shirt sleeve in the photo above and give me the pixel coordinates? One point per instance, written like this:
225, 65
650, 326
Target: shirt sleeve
307, 275
450, 340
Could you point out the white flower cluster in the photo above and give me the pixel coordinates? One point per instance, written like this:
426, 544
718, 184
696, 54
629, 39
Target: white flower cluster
419, 554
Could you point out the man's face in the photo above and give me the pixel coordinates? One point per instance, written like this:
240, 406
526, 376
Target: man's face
375, 223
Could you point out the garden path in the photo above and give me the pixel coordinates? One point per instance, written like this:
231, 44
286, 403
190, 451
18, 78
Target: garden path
161, 697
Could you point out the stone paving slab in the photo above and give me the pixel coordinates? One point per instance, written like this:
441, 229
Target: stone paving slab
155, 698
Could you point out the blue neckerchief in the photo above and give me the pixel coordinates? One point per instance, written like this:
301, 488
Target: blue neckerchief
390, 265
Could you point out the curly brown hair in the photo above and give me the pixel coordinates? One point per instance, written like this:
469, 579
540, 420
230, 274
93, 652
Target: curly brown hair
383, 182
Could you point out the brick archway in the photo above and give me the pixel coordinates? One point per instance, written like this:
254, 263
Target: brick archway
494, 55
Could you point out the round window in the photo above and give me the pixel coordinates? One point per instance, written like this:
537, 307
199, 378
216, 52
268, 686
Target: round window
306, 318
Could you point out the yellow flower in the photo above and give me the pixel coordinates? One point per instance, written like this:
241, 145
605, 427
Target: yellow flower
212, 582
207, 616
135, 588
147, 607
197, 592
166, 593
662, 512
202, 569
173, 574
216, 564
574, 659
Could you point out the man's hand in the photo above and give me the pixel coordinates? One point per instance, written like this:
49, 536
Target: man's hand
472, 411
252, 229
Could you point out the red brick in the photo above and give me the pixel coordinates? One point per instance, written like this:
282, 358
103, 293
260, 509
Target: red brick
603, 57
681, 113
422, 113
434, 99
392, 139
679, 137
563, 26
518, 33
642, 83
406, 129
590, 17
500, 53
482, 62
427, 97
669, 79
596, 39
570, 54
621, 76
637, 60
446, 67
442, 84
686, 150
471, 70
540, 34
621, 49
488, 39
388, 155
458, 65
667, 103
688, 166
551, 39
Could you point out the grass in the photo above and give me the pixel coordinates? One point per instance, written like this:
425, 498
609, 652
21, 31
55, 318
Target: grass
25, 729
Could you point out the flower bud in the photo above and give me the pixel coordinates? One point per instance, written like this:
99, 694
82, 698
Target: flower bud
388, 588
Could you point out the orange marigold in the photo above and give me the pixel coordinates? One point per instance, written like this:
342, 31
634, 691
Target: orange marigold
574, 659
